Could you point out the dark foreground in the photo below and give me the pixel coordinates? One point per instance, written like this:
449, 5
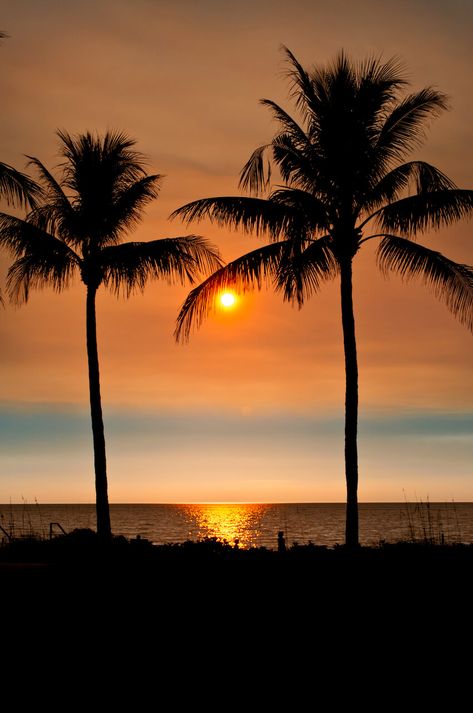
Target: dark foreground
81, 568
186, 621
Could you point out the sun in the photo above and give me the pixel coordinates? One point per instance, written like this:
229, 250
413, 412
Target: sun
227, 299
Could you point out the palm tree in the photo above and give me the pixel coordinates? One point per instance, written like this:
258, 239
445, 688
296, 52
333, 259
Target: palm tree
77, 228
342, 164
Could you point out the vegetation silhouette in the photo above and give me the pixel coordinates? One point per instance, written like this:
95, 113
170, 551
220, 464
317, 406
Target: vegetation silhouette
77, 227
343, 172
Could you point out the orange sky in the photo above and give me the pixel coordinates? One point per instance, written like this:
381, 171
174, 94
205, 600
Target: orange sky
253, 404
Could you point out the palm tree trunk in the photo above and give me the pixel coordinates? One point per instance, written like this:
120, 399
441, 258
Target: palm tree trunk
100, 462
351, 404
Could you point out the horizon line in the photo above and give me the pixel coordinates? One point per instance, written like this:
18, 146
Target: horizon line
248, 502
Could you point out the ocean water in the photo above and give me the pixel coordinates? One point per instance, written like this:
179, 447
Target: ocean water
253, 525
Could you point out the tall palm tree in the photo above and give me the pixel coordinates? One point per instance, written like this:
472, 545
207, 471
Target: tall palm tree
342, 164
78, 228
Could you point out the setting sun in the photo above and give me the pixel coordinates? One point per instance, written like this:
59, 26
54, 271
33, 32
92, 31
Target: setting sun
227, 299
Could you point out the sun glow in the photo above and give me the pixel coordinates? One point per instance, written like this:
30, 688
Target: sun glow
228, 522
227, 299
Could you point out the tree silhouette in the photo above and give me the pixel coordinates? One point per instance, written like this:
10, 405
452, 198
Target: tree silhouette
341, 164
77, 228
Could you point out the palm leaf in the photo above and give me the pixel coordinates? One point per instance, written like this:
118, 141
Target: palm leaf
126, 210
255, 175
46, 262
302, 271
107, 163
128, 266
301, 167
403, 129
309, 213
17, 187
21, 236
303, 89
53, 188
251, 214
425, 211
452, 282
248, 271
290, 126
424, 177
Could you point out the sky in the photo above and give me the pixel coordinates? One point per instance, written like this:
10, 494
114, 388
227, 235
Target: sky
251, 409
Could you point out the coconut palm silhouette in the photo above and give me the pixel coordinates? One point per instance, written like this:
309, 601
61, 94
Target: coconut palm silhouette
77, 228
345, 182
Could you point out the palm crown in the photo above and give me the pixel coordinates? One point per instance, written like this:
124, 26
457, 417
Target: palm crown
343, 173
79, 224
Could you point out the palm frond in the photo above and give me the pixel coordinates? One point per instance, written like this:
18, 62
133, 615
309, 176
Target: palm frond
128, 266
299, 166
302, 271
425, 211
309, 213
53, 188
302, 89
289, 125
424, 177
17, 187
403, 129
386, 76
452, 282
125, 211
47, 262
378, 84
248, 271
107, 162
256, 215
55, 214
255, 176
21, 236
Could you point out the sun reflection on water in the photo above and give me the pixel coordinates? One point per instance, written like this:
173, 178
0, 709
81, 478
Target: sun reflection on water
229, 521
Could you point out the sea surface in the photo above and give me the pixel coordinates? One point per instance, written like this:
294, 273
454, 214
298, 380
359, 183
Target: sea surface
253, 525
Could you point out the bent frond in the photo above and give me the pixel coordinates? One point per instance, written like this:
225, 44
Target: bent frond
255, 175
18, 188
289, 125
302, 272
49, 263
309, 213
52, 187
24, 236
251, 214
422, 176
127, 210
452, 282
426, 211
247, 272
403, 129
128, 266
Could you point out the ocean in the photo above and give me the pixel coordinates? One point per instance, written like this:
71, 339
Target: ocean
253, 525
